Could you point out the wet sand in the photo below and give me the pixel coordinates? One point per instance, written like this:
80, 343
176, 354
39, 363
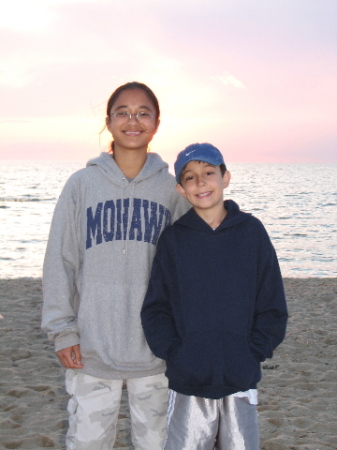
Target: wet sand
297, 395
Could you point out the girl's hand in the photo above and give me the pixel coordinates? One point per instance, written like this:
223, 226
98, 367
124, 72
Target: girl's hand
71, 357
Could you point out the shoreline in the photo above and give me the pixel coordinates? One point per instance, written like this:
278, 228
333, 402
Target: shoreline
297, 394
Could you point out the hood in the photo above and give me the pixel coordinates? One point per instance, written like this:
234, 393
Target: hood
234, 216
107, 165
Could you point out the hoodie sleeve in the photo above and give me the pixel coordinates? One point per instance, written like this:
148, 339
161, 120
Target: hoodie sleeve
156, 314
61, 265
270, 317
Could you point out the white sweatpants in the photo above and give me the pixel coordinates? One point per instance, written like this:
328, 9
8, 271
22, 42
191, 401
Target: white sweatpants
94, 405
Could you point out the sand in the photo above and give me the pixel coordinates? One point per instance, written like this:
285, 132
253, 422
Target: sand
297, 396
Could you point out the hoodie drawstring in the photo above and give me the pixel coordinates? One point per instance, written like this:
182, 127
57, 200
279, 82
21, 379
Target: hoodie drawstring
122, 209
131, 207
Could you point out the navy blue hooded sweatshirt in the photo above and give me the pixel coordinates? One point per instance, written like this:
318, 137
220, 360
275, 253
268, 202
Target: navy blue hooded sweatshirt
215, 306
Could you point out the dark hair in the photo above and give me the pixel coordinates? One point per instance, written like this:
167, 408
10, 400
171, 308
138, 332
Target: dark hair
133, 85
223, 169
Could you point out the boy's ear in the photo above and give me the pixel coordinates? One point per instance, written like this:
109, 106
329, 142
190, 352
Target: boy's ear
226, 178
181, 190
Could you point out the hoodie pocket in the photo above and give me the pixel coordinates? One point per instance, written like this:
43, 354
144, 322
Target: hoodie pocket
110, 325
240, 368
192, 362
214, 358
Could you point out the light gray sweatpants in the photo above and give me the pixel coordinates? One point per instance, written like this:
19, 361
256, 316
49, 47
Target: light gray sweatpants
197, 423
94, 405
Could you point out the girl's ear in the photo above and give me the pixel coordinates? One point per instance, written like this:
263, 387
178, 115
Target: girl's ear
226, 178
181, 190
108, 123
157, 126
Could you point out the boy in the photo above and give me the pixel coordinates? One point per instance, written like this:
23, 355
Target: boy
214, 310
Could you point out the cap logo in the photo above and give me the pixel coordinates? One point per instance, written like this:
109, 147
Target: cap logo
187, 154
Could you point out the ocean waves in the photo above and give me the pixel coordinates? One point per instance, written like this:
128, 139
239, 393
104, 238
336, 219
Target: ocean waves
300, 215
25, 199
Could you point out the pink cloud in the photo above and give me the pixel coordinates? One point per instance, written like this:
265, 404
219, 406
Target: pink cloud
282, 53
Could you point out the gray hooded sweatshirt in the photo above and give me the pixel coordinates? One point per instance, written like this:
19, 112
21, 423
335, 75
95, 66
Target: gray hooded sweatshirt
102, 242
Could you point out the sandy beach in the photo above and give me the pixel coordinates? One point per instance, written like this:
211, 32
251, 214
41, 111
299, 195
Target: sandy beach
297, 395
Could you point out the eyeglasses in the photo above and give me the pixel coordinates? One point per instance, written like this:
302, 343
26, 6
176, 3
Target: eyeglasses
126, 116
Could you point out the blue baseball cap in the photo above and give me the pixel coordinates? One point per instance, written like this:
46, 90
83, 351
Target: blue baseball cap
198, 152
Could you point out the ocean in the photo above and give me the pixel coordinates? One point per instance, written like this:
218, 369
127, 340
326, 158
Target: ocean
297, 203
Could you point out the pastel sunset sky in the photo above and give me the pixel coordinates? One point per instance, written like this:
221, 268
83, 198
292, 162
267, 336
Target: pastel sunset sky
256, 78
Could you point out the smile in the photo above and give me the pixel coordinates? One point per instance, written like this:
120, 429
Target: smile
204, 194
133, 133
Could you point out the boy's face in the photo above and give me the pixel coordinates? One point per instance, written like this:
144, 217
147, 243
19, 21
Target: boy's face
202, 185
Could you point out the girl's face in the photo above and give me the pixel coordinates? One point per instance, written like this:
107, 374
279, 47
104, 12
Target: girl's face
132, 134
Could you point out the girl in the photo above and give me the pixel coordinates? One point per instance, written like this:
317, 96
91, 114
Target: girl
97, 265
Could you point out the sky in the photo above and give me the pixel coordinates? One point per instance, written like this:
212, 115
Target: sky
256, 78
